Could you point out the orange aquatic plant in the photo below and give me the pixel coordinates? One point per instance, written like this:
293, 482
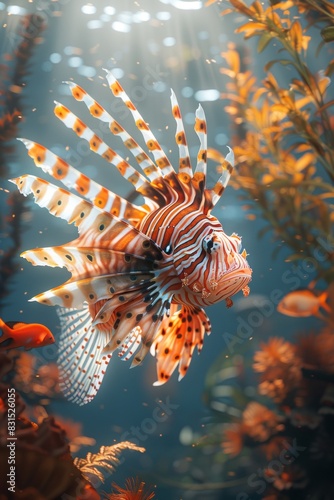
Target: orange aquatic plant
134, 490
284, 124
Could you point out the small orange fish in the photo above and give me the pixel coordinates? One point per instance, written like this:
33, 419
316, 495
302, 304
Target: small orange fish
304, 303
14, 334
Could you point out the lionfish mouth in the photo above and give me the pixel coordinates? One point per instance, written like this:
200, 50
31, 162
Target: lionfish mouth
239, 272
243, 276
237, 280
238, 267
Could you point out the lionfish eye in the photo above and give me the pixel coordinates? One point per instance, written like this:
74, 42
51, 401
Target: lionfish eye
211, 243
168, 249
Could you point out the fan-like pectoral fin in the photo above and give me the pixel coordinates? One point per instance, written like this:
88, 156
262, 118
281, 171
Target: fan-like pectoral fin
82, 363
91, 290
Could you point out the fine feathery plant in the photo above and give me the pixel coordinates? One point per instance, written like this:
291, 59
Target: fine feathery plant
105, 460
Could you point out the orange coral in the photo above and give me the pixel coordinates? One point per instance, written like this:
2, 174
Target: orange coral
260, 422
275, 352
291, 477
41, 381
74, 433
274, 447
280, 367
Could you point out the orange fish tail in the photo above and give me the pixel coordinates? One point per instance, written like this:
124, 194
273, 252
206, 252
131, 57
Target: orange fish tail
5, 330
322, 300
4, 335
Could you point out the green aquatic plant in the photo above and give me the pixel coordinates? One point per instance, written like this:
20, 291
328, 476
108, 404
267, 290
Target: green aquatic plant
284, 124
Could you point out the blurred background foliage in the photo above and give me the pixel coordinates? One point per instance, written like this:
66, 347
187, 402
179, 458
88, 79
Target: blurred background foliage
284, 125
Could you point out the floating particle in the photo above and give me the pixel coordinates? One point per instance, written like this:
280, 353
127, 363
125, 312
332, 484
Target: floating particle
88, 9
94, 24
122, 27
169, 41
207, 95
55, 58
187, 91
110, 11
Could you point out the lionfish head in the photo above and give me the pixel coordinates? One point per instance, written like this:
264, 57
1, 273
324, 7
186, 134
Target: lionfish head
220, 271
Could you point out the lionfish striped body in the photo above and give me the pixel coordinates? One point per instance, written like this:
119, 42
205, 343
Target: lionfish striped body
140, 274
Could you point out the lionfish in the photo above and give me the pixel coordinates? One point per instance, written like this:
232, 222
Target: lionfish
140, 274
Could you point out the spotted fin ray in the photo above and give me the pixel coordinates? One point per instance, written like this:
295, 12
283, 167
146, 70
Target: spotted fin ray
179, 334
75, 293
94, 225
100, 196
130, 345
97, 111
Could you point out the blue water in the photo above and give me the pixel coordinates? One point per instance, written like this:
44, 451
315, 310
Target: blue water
152, 47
